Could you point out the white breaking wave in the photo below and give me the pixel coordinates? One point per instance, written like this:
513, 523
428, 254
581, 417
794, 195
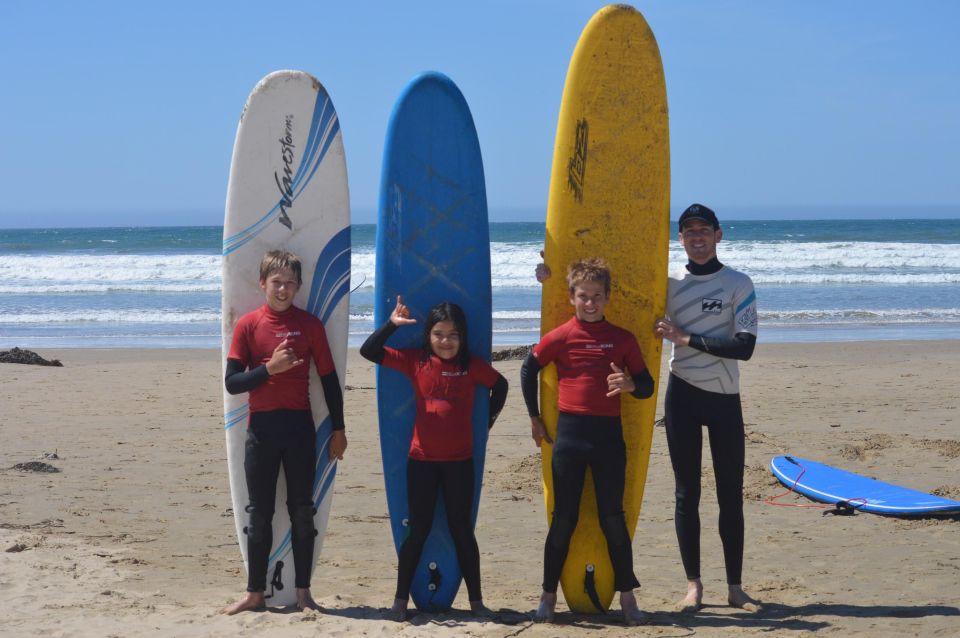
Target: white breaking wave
110, 316
512, 267
508, 320
863, 315
109, 273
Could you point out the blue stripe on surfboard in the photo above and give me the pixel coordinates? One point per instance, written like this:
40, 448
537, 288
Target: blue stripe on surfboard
248, 233
332, 270
323, 129
233, 417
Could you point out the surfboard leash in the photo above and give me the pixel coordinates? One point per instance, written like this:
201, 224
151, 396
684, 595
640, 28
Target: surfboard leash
840, 508
590, 587
276, 583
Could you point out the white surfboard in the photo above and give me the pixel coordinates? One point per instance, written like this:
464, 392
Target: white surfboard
287, 189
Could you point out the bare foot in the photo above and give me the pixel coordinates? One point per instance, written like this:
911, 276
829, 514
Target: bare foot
545, 610
632, 616
398, 612
693, 601
305, 601
253, 600
738, 598
481, 611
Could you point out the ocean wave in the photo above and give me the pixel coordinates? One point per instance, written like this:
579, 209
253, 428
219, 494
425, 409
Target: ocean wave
512, 266
111, 316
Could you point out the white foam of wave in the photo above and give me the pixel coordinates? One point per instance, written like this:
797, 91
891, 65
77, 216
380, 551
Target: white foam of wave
110, 316
788, 256
107, 273
861, 315
512, 266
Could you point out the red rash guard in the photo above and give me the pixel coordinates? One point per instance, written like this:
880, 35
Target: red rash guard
255, 337
443, 427
583, 352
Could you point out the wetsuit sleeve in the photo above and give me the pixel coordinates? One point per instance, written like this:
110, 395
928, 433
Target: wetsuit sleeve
529, 378
643, 384
740, 346
373, 348
498, 397
642, 381
238, 379
334, 397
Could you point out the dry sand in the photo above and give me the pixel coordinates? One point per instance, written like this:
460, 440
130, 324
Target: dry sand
134, 536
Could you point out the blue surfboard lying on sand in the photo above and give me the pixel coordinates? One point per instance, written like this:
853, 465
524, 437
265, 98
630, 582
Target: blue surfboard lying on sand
831, 485
433, 245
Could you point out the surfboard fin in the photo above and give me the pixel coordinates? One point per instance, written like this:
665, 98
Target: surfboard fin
842, 508
590, 587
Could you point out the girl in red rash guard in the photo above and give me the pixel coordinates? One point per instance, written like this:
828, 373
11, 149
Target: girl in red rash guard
591, 355
444, 376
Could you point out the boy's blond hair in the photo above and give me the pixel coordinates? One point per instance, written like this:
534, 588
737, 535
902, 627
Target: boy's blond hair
594, 269
276, 260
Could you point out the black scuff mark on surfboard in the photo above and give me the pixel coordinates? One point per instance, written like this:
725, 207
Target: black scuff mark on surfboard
580, 232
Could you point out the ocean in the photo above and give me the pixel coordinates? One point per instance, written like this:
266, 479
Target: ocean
846, 280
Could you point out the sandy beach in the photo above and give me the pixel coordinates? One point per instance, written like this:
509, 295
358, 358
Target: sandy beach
134, 535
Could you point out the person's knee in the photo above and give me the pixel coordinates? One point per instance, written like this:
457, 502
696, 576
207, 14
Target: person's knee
687, 493
561, 530
301, 522
614, 528
258, 529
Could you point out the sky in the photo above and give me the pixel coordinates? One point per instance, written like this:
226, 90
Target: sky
124, 113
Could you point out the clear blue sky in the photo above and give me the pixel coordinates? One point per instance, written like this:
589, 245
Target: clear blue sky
124, 112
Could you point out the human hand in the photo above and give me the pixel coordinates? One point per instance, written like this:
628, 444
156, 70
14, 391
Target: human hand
672, 332
542, 271
539, 431
338, 445
284, 357
619, 382
401, 314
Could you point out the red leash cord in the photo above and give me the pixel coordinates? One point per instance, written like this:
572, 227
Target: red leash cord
792, 489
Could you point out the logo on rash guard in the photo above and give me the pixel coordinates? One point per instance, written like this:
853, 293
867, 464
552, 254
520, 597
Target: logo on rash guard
711, 305
292, 333
597, 346
460, 373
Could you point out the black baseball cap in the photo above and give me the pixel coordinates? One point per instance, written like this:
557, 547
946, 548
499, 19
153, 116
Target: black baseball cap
701, 212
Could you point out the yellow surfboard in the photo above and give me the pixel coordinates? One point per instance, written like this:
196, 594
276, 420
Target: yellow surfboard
609, 197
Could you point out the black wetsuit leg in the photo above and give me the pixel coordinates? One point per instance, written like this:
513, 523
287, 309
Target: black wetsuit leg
425, 480
688, 408
287, 438
609, 466
423, 486
596, 442
457, 484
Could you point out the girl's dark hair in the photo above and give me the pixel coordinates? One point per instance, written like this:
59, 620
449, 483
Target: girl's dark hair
448, 312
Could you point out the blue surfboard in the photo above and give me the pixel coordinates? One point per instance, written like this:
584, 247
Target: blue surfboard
433, 246
831, 485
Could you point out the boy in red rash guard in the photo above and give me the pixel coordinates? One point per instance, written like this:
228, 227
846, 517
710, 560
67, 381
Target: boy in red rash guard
591, 355
267, 355
444, 376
